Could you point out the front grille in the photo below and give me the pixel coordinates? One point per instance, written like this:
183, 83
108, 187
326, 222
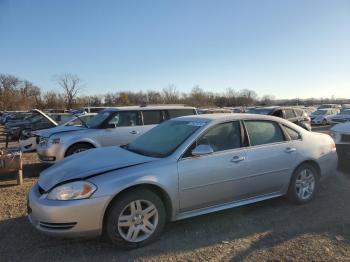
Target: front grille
345, 138
57, 226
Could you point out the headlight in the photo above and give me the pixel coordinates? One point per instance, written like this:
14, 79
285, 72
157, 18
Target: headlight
54, 140
72, 191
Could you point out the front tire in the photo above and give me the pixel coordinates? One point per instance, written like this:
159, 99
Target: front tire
303, 184
135, 219
77, 148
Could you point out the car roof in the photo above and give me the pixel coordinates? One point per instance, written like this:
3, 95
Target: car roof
144, 108
231, 116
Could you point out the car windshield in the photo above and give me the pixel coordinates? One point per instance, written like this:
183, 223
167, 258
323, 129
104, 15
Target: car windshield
97, 120
262, 111
320, 112
165, 138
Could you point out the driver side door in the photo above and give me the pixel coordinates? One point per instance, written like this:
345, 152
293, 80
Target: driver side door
215, 178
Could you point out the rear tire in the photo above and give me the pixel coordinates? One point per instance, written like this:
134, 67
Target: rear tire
135, 219
303, 185
77, 148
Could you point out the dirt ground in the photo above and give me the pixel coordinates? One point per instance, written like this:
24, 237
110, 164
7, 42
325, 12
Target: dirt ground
273, 230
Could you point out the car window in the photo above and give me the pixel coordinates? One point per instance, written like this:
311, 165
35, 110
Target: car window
263, 132
123, 119
294, 135
152, 117
223, 137
180, 112
289, 113
278, 113
298, 112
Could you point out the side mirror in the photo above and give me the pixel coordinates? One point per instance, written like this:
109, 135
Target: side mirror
201, 150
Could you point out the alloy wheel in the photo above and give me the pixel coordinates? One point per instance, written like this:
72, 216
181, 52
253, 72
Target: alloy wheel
138, 221
305, 184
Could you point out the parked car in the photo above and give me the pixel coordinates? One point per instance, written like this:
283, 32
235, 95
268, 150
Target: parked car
294, 115
308, 110
110, 127
213, 110
329, 106
29, 139
341, 135
37, 120
342, 117
11, 117
323, 116
184, 167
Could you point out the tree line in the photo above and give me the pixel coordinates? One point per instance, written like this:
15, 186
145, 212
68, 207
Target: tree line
20, 94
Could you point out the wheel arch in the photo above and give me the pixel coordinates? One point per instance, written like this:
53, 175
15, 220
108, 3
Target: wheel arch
313, 163
87, 142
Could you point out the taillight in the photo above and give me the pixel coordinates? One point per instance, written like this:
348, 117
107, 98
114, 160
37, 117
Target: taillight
333, 146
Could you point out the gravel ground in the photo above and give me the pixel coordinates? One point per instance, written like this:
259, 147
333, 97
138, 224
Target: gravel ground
273, 230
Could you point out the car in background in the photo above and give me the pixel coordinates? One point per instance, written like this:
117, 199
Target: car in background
342, 117
11, 117
35, 121
29, 139
329, 106
184, 167
323, 116
110, 127
294, 115
308, 110
213, 110
88, 109
341, 135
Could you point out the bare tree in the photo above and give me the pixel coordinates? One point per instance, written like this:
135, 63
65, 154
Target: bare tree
9, 86
70, 84
171, 95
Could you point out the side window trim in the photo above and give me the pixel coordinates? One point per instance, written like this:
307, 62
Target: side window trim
283, 127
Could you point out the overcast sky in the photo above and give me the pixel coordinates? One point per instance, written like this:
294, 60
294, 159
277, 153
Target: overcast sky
287, 48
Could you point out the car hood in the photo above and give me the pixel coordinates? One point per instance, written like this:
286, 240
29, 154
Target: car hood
341, 128
89, 163
58, 129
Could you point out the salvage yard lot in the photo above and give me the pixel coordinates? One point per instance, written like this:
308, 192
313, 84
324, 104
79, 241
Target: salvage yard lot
272, 230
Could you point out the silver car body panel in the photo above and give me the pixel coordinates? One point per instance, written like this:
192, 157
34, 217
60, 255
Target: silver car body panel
191, 186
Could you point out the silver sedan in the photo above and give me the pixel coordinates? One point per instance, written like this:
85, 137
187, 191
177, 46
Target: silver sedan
184, 167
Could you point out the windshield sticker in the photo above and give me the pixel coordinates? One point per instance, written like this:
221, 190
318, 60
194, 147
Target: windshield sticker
196, 123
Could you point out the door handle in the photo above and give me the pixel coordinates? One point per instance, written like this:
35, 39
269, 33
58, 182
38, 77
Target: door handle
134, 132
290, 149
237, 159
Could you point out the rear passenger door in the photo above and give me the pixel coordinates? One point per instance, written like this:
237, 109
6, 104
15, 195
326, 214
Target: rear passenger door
270, 157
